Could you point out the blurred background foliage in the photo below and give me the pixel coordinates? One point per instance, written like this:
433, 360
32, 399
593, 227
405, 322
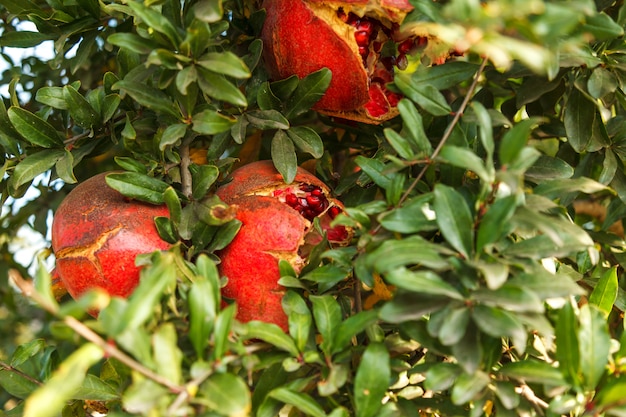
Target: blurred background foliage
486, 276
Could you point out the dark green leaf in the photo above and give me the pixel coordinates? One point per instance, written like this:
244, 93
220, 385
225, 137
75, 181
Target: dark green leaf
500, 323
33, 165
307, 140
138, 186
52, 96
454, 326
23, 39
210, 122
351, 327
495, 225
530, 370
219, 87
414, 126
80, 109
567, 347
149, 97
580, 114
399, 144
267, 119
227, 393
34, 129
595, 343
441, 376
604, 293
444, 76
426, 96
132, 42
284, 156
299, 400
299, 318
172, 134
425, 282
204, 176
226, 63
454, 219
156, 21
327, 315
16, 385
308, 92
510, 297
271, 333
371, 380
95, 389
468, 386
465, 158
515, 139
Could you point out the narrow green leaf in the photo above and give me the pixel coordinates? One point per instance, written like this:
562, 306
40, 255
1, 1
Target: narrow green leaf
465, 158
444, 76
210, 122
284, 156
149, 97
267, 119
414, 126
52, 96
34, 129
272, 334
327, 315
157, 21
454, 218
132, 42
299, 318
567, 346
228, 394
172, 134
33, 165
80, 109
495, 225
515, 139
203, 177
307, 140
425, 282
604, 293
510, 297
441, 376
530, 370
226, 63
401, 145
426, 96
500, 323
309, 91
468, 386
595, 344
139, 186
351, 327
371, 380
454, 326
49, 399
580, 114
23, 39
220, 88
299, 400
167, 355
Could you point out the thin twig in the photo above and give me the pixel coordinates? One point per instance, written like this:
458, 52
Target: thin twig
81, 329
20, 373
185, 161
448, 131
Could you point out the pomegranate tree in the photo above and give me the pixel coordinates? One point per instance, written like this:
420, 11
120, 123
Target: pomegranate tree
277, 224
97, 234
358, 40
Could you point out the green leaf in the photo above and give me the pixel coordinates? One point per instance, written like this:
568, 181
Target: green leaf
468, 386
95, 389
425, 282
414, 127
167, 356
549, 168
209, 11
604, 293
580, 114
16, 385
156, 21
601, 82
351, 327
454, 218
203, 177
272, 334
399, 144
52, 96
309, 91
412, 250
510, 297
465, 158
426, 96
415, 215
228, 394
602, 27
172, 134
567, 346
34, 129
33, 165
23, 39
307, 140
284, 156
267, 119
299, 318
454, 325
223, 329
555, 188
132, 42
226, 63
374, 169
138, 186
444, 76
371, 380
441, 376
327, 315
495, 225
299, 400
595, 344
500, 323
515, 139
531, 370
611, 393
149, 97
49, 399
210, 122
220, 88
80, 109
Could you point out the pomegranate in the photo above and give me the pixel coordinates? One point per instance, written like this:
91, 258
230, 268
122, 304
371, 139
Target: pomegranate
358, 40
277, 220
96, 235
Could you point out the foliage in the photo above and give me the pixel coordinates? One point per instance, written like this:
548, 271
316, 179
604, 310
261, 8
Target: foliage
487, 270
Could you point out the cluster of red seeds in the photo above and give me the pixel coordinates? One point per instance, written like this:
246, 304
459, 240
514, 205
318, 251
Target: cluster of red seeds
310, 203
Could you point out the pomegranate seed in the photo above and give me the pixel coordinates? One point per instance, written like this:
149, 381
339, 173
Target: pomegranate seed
421, 41
393, 98
362, 38
405, 46
334, 211
317, 192
366, 26
313, 201
353, 20
377, 46
291, 199
363, 51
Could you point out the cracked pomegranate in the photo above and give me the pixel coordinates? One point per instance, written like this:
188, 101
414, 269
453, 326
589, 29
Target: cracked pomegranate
96, 235
358, 40
276, 224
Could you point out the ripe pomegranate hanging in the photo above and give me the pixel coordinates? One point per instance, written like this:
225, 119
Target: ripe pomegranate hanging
96, 235
277, 223
358, 40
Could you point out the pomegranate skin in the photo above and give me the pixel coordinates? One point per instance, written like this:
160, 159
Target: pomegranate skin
271, 230
298, 41
96, 235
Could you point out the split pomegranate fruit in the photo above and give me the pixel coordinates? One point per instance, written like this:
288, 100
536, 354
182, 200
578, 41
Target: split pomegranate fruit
277, 224
358, 40
97, 234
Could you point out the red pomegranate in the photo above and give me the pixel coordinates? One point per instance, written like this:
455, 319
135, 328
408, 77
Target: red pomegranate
358, 40
276, 224
96, 235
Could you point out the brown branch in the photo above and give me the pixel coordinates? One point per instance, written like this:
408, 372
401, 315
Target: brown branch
16, 371
81, 329
185, 161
